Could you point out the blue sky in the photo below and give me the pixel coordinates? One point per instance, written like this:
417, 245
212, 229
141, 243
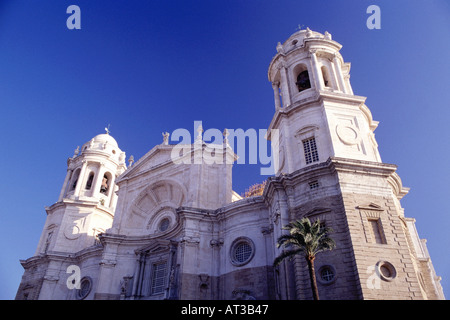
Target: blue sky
145, 67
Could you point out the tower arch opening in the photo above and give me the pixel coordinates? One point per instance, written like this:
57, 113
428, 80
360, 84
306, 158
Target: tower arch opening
326, 77
106, 181
89, 181
74, 180
301, 75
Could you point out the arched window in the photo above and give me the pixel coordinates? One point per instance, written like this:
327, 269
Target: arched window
302, 77
47, 242
75, 179
105, 184
326, 77
303, 82
89, 181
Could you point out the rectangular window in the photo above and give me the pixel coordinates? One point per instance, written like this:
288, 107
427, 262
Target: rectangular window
47, 242
314, 185
376, 231
310, 149
159, 275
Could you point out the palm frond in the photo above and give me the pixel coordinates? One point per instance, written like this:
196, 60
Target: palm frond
312, 238
307, 238
286, 254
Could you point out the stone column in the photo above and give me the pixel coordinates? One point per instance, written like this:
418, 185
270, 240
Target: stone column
316, 70
348, 85
120, 206
98, 180
276, 94
284, 86
66, 181
333, 75
113, 200
111, 188
339, 75
137, 277
80, 179
267, 232
172, 293
50, 280
105, 278
216, 245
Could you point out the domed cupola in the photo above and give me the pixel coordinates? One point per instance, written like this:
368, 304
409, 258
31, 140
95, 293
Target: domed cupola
92, 171
306, 63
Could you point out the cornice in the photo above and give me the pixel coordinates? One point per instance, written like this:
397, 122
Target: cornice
81, 203
316, 98
361, 166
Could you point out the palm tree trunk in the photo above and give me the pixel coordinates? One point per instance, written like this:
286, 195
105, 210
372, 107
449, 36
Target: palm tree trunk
312, 276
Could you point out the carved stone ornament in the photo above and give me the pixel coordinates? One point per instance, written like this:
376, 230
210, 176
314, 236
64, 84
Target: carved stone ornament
72, 232
216, 242
280, 48
348, 134
242, 294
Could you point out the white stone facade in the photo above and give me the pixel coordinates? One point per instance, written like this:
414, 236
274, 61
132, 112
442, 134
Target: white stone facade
165, 229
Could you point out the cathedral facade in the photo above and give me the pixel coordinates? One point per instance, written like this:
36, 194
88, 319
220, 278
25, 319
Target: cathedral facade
166, 228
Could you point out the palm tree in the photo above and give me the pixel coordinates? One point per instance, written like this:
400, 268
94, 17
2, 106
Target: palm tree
308, 239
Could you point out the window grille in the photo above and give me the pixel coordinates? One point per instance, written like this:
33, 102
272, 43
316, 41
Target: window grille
314, 184
159, 274
327, 274
242, 252
310, 149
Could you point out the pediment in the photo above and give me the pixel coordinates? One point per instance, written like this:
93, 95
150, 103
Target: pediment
156, 246
158, 156
170, 155
306, 130
317, 210
370, 206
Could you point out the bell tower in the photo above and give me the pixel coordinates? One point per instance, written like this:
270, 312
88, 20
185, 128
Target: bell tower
330, 169
86, 203
316, 112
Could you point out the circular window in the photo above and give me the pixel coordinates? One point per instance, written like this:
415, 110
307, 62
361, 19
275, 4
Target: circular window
164, 224
85, 288
327, 274
242, 251
386, 270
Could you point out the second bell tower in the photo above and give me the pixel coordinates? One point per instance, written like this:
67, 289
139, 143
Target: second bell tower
86, 204
316, 112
